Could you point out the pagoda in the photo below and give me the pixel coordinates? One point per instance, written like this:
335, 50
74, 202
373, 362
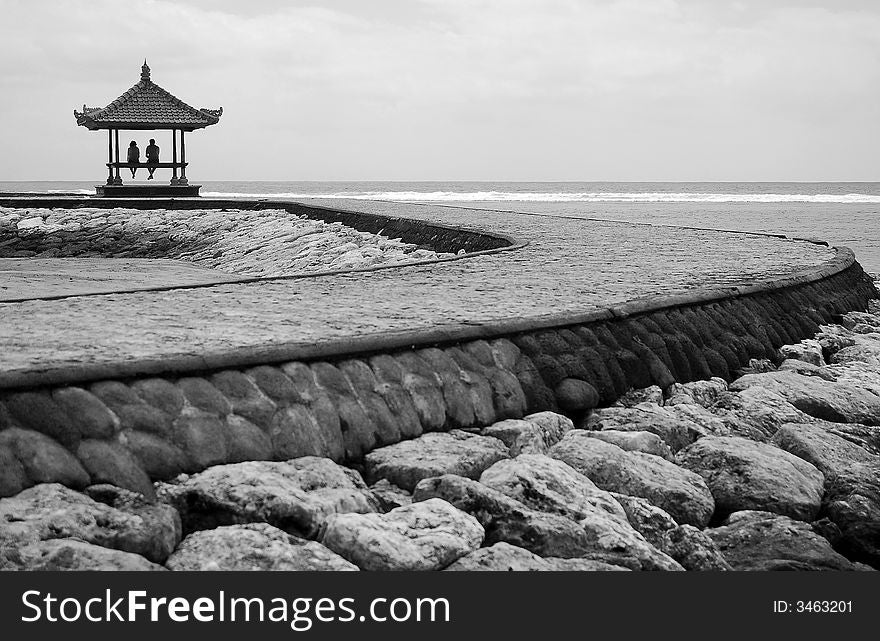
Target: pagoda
147, 106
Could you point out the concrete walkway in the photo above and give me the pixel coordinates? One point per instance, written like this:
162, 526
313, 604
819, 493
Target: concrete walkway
569, 266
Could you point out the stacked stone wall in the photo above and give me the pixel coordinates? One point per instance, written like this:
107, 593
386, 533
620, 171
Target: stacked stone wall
434, 236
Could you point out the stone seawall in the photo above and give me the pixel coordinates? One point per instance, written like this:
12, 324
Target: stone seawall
130, 431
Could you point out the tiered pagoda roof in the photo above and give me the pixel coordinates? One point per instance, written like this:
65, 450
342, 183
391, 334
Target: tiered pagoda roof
147, 106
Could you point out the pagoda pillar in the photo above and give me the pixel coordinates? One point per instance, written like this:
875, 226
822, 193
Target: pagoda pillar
183, 180
117, 180
174, 180
109, 156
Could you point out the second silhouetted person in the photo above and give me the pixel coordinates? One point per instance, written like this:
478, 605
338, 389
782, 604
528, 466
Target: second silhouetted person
152, 157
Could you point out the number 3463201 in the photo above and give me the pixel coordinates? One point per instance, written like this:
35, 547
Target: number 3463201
813, 607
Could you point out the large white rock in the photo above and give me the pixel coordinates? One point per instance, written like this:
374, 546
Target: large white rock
500, 557
693, 549
851, 320
617, 542
807, 369
520, 437
753, 540
534, 434
746, 475
680, 492
830, 453
51, 511
72, 555
808, 350
858, 342
30, 223
834, 338
506, 519
646, 442
852, 503
455, 452
646, 518
253, 546
549, 485
599, 536
295, 496
757, 412
829, 400
428, 535
712, 424
865, 350
675, 430
852, 486
702, 393
652, 394
553, 424
857, 374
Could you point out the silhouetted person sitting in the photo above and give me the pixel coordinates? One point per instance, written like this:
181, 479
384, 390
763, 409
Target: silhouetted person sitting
134, 156
152, 157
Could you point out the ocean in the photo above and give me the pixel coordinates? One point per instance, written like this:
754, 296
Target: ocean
841, 213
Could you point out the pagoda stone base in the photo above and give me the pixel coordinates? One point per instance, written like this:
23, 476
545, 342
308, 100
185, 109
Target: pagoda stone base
147, 191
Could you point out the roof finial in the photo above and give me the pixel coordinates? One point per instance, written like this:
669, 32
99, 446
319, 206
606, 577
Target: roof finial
145, 71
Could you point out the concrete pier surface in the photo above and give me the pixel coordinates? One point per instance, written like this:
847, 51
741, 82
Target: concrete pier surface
562, 267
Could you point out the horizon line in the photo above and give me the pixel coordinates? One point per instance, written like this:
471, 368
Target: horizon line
469, 180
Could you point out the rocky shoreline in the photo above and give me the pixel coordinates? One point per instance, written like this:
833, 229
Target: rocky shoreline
260, 243
779, 469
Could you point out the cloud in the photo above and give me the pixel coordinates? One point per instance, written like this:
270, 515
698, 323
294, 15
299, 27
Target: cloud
462, 89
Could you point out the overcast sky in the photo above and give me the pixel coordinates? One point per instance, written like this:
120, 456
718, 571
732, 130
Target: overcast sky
457, 89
